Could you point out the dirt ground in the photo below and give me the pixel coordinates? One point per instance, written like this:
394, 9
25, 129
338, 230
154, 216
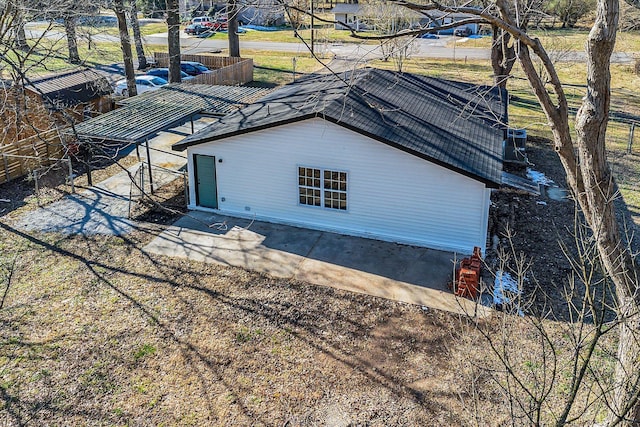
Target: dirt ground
97, 332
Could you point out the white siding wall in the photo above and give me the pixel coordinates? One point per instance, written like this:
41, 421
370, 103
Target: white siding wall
392, 195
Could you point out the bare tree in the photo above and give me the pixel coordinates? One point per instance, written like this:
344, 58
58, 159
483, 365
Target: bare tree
173, 39
590, 178
21, 37
125, 44
135, 27
72, 38
70, 11
583, 156
569, 11
232, 28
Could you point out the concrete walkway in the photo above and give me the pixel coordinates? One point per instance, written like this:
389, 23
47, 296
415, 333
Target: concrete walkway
104, 208
398, 272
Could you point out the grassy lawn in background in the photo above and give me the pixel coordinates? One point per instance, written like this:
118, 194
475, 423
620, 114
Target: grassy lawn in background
51, 56
559, 40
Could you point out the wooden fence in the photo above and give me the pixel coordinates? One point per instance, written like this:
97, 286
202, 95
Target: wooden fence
226, 71
22, 157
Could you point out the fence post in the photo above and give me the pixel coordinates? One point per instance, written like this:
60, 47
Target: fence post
6, 167
35, 178
631, 134
149, 163
87, 159
142, 180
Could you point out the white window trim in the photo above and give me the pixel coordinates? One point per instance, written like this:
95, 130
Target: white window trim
322, 189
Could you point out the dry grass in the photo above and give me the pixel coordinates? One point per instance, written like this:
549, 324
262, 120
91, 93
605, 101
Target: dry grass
97, 332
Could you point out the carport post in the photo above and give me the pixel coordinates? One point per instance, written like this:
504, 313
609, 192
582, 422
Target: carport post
191, 117
87, 160
138, 150
149, 163
186, 189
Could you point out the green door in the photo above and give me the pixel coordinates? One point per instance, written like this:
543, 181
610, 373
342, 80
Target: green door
206, 191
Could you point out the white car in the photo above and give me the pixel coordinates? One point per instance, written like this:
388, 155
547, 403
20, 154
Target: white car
143, 84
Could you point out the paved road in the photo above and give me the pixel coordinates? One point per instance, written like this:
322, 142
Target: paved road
424, 48
356, 51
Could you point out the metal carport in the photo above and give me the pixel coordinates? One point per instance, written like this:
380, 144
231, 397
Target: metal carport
141, 116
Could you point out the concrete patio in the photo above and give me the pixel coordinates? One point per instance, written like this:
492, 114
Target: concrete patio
403, 273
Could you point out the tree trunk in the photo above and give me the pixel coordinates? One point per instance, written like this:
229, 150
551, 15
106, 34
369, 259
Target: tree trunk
503, 56
137, 38
591, 182
72, 40
591, 127
173, 39
21, 37
125, 44
232, 29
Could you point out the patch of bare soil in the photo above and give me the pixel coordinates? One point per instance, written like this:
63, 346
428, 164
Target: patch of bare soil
534, 227
166, 206
542, 230
98, 332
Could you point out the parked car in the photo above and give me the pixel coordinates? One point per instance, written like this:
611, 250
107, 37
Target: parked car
205, 21
196, 29
163, 73
430, 36
220, 24
143, 84
193, 68
462, 32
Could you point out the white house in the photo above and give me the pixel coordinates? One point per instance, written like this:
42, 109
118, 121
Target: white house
392, 17
349, 13
379, 154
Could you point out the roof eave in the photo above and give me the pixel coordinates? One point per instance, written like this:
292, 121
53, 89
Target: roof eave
182, 145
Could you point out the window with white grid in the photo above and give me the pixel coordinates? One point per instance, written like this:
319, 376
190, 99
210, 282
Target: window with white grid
335, 190
322, 187
309, 186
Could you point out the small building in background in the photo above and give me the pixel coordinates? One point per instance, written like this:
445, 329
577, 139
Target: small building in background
391, 18
48, 102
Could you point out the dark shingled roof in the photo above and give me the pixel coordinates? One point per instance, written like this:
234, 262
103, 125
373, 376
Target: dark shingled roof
456, 125
70, 88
